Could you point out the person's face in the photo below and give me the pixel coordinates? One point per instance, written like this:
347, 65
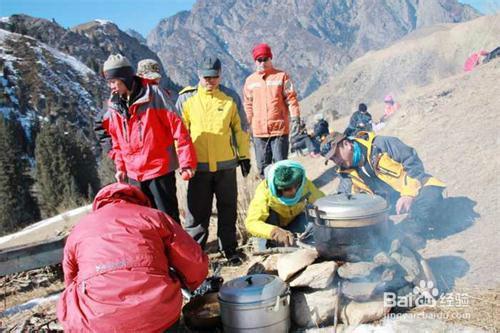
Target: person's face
210, 82
262, 63
117, 86
343, 154
289, 192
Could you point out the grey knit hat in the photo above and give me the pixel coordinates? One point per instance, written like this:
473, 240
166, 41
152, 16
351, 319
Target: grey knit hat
118, 67
149, 69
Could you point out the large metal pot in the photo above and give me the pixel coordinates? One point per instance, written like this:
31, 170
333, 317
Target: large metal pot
255, 303
350, 227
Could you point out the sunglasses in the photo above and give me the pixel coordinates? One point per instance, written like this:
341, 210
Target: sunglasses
262, 59
210, 77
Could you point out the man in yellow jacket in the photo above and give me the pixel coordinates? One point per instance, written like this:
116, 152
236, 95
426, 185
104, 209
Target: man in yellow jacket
217, 124
277, 208
386, 166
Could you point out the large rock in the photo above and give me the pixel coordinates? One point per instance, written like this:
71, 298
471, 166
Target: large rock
359, 291
313, 309
291, 263
316, 276
407, 259
357, 270
260, 265
355, 313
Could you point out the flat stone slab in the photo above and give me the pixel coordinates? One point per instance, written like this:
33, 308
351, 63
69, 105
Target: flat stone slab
316, 276
313, 309
291, 263
355, 313
358, 291
356, 270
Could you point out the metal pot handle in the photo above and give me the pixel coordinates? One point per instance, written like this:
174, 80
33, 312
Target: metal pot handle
276, 306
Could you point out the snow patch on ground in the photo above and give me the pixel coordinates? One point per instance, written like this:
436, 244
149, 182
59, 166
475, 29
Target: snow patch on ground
29, 305
70, 60
103, 22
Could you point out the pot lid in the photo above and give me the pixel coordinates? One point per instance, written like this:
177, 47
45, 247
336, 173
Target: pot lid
252, 288
349, 206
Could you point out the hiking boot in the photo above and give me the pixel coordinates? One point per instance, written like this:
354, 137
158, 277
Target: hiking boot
234, 257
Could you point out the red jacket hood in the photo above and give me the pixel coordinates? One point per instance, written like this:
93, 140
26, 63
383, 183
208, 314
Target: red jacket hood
120, 192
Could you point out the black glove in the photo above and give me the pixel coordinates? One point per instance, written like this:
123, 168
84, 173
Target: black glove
245, 166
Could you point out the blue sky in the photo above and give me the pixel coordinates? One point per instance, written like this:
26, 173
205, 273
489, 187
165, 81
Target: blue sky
140, 15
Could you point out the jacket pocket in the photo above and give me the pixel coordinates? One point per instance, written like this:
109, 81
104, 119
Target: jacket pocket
388, 166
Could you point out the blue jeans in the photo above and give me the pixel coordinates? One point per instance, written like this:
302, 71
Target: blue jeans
270, 150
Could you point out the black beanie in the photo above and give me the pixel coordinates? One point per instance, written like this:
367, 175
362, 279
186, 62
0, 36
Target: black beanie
362, 107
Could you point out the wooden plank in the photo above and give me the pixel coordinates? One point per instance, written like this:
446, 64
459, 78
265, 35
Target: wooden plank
31, 256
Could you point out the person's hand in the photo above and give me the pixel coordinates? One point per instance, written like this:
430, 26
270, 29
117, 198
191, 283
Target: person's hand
245, 166
403, 204
187, 173
120, 176
282, 236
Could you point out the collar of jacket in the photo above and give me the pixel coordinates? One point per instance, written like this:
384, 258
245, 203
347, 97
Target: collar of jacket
266, 72
145, 98
204, 91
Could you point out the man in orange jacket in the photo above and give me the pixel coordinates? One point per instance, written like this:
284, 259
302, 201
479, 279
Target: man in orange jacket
117, 266
270, 100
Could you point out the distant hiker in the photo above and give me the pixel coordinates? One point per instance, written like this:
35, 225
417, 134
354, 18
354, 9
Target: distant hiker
321, 129
117, 266
474, 60
302, 140
276, 212
149, 69
149, 138
390, 108
386, 166
217, 123
361, 120
270, 99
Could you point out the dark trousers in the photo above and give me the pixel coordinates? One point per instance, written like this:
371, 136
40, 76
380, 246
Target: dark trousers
200, 194
423, 209
162, 192
270, 150
305, 141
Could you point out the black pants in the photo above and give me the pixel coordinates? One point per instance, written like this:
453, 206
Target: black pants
270, 150
423, 209
201, 190
162, 192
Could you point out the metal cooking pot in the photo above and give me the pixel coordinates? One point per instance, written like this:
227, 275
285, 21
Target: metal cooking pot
350, 227
255, 303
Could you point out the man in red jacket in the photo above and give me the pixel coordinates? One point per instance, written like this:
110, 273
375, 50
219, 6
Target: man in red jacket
117, 263
144, 128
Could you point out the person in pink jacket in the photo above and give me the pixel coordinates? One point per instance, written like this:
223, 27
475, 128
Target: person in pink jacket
118, 263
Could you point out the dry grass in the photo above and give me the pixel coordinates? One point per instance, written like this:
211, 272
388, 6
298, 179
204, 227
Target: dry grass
482, 310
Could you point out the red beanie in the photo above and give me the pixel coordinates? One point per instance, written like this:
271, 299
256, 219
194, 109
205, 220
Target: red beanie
262, 50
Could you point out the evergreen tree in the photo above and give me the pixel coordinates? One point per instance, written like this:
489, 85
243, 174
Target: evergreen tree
66, 169
17, 206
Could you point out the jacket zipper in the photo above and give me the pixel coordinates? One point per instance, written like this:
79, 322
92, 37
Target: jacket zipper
125, 130
140, 131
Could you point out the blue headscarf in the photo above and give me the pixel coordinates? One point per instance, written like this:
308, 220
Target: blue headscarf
274, 190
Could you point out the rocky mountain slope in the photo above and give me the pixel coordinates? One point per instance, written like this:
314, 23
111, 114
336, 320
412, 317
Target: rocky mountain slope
41, 83
417, 60
91, 42
310, 39
49, 72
